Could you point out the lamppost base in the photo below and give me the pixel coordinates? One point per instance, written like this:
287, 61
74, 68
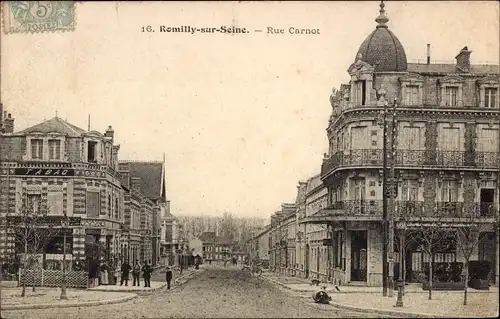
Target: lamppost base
399, 302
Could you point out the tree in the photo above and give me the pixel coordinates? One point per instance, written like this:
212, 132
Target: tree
469, 232
34, 232
406, 239
429, 235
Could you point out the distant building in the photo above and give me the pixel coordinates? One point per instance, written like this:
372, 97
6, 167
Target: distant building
148, 179
259, 243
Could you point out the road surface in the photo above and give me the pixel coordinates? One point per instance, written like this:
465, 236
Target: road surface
215, 293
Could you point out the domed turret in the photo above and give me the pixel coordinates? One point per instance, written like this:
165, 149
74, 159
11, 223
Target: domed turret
382, 49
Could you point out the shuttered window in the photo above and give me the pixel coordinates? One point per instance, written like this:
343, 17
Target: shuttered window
359, 138
93, 204
449, 139
55, 201
412, 95
410, 139
487, 140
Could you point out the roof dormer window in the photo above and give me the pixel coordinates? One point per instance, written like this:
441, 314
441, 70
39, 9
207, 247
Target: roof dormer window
54, 149
488, 92
92, 151
37, 148
412, 90
490, 97
451, 91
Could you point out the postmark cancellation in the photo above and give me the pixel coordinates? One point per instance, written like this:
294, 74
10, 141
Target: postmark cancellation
38, 16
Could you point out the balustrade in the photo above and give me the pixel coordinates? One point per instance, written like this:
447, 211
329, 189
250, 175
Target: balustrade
408, 209
374, 157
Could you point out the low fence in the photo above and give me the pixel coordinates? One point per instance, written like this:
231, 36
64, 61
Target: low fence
53, 278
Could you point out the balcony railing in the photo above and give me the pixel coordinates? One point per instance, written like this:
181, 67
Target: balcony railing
410, 158
354, 208
408, 209
445, 209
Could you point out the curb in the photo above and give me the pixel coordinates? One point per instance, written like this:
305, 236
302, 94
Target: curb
70, 305
371, 310
286, 287
131, 290
392, 312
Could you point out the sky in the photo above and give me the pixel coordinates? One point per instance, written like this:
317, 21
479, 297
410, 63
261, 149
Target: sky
241, 118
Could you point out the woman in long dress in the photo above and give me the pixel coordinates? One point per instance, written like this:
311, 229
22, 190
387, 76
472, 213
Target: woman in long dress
104, 275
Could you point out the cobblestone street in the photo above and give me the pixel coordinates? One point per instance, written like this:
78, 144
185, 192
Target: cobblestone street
216, 293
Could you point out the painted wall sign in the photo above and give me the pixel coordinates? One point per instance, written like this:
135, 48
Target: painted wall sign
45, 171
90, 173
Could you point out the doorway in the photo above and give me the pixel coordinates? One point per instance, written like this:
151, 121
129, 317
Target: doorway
307, 261
359, 255
487, 198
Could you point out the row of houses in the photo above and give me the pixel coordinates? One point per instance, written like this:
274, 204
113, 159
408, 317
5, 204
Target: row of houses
416, 141
112, 209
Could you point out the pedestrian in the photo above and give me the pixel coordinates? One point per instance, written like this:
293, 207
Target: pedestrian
125, 271
168, 276
146, 274
104, 274
136, 273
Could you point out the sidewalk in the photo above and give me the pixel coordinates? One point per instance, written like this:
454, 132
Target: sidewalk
49, 298
157, 282
481, 303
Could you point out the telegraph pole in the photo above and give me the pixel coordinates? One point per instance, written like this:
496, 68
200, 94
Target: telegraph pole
392, 199
384, 198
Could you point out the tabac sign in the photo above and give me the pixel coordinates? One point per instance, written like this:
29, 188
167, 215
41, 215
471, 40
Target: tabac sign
45, 171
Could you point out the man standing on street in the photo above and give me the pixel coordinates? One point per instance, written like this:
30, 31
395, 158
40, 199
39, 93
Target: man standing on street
136, 273
125, 271
169, 276
146, 274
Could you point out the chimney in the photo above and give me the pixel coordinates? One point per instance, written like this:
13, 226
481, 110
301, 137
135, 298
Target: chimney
110, 132
9, 124
428, 54
463, 60
136, 184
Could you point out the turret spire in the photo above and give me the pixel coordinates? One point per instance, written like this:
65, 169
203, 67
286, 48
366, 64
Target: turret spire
382, 18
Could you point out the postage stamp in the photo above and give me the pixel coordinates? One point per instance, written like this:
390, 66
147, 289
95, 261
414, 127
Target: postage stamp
38, 16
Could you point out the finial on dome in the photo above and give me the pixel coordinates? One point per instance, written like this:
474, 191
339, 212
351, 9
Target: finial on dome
382, 18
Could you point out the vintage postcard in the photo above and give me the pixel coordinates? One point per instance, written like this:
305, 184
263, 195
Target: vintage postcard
249, 159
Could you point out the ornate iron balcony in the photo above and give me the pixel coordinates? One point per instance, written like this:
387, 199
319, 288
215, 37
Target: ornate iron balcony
411, 158
406, 209
354, 208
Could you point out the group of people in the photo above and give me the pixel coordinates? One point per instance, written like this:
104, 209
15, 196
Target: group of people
146, 270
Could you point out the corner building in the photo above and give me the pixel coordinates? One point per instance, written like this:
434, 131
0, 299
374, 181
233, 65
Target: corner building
446, 153
58, 168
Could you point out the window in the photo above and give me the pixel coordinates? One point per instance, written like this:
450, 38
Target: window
93, 204
490, 96
54, 149
37, 149
116, 208
55, 201
449, 191
412, 95
92, 152
33, 203
451, 96
360, 92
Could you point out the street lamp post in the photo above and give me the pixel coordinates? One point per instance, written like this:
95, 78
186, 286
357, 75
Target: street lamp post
63, 279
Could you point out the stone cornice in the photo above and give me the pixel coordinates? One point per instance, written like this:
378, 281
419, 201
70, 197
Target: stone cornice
417, 114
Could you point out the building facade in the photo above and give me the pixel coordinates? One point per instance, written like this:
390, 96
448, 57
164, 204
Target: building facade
58, 170
422, 137
147, 180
